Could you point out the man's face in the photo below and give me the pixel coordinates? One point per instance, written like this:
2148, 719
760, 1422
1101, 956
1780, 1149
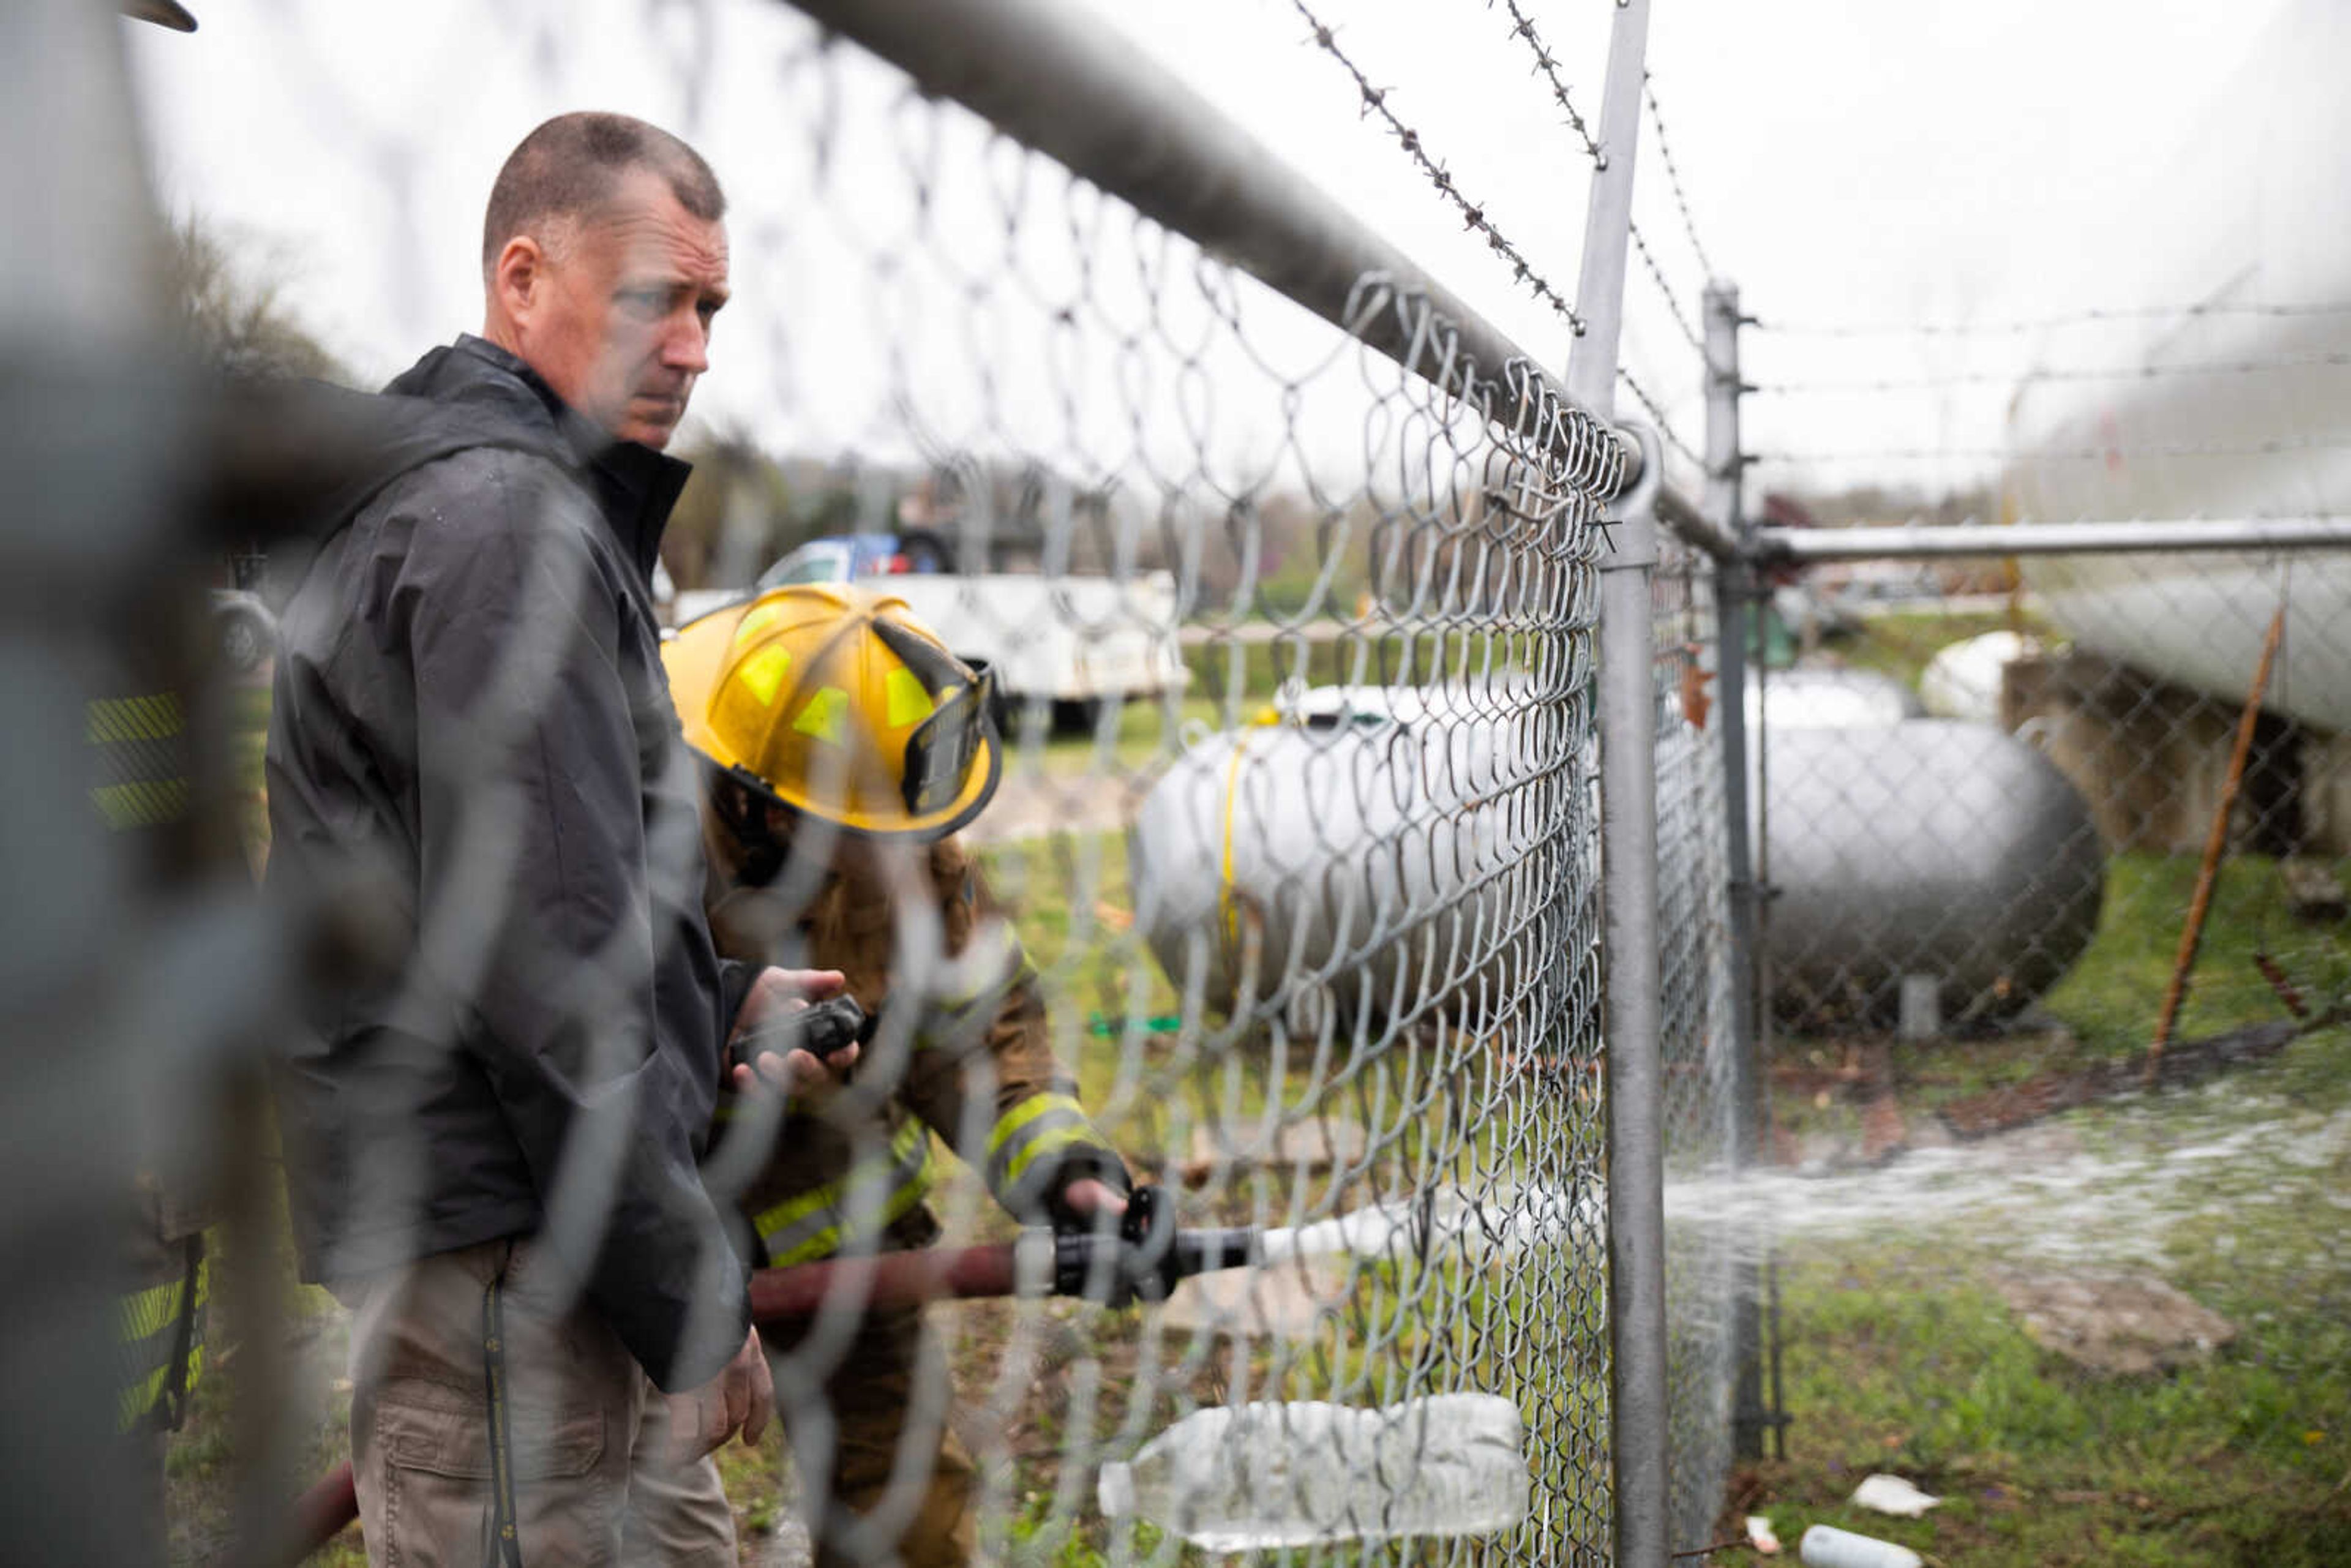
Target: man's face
619, 319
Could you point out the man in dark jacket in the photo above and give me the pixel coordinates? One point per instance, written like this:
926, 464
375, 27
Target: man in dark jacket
493, 1153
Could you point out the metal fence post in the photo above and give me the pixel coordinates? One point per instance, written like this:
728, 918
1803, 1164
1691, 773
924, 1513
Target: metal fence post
85, 444
1735, 599
1628, 833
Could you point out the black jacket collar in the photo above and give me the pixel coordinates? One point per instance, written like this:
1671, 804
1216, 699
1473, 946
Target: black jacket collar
634, 485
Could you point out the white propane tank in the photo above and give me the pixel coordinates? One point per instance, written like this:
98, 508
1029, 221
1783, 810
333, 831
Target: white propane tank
1374, 851
1925, 848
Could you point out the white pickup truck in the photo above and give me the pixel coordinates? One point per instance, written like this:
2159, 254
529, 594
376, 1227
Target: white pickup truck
1074, 642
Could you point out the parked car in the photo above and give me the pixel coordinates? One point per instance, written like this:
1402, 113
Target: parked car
1071, 642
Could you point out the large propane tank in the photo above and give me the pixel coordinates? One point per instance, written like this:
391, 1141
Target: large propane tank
1362, 853
1827, 699
1925, 848
1963, 679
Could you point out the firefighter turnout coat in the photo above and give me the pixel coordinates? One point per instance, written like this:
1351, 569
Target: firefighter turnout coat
963, 1052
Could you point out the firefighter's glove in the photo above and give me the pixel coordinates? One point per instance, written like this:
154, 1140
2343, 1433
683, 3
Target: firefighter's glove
1136, 1262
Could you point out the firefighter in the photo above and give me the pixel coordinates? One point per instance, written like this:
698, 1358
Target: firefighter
843, 746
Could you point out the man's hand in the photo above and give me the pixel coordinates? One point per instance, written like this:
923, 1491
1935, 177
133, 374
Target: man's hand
800, 1076
740, 1398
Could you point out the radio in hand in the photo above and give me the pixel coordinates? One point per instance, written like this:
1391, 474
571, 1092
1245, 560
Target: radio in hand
820, 1029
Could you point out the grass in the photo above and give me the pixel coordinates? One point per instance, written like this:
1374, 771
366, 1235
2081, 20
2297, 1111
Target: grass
2105, 1008
1903, 643
1900, 1356
2112, 998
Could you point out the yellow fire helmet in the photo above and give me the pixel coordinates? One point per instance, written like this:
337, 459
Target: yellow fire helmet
839, 703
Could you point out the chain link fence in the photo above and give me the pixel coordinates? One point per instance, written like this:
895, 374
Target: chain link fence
1993, 789
1702, 1097
1291, 601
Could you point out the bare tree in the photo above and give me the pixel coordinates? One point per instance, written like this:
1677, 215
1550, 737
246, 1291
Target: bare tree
233, 318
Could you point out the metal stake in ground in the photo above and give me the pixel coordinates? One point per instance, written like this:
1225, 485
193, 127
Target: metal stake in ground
2208, 872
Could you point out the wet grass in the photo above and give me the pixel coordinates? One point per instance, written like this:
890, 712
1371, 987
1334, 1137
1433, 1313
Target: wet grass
1904, 642
1901, 1356
2105, 1009
2113, 997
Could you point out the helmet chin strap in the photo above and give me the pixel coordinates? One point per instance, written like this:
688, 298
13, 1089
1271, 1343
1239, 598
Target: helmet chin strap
761, 853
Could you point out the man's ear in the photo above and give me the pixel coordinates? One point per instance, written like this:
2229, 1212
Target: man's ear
518, 276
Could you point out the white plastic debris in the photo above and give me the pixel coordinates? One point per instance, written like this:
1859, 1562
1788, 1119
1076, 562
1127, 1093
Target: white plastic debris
1892, 1494
1263, 1477
1823, 1547
1759, 1536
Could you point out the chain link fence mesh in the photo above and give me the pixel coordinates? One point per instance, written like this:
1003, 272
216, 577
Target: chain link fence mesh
2024, 1253
1298, 830
1992, 786
1699, 1040
1311, 909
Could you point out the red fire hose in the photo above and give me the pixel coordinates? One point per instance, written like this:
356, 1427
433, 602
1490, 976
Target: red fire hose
1142, 1262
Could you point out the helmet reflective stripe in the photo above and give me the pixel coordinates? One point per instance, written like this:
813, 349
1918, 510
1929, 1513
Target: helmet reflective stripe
755, 619
826, 717
763, 673
878, 1190
909, 702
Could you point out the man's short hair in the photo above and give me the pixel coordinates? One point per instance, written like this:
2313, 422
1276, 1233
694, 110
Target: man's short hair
568, 168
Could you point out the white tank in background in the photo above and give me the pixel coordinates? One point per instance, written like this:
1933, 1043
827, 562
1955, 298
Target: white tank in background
1962, 681
2267, 164
1370, 849
1925, 848
1827, 699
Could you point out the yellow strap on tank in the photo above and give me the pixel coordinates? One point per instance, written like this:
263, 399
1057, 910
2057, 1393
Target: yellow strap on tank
1225, 902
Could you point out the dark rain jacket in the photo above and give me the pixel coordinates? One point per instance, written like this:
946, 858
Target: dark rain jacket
471, 736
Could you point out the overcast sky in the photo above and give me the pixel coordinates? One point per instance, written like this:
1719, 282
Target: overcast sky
1844, 161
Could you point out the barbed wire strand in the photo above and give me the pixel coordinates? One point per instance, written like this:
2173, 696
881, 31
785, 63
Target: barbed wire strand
1522, 27
2093, 315
1547, 67
1657, 412
1674, 175
1473, 214
2073, 374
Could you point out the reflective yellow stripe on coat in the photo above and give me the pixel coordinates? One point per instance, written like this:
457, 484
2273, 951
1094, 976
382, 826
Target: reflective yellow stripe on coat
1041, 1125
877, 1191
147, 1324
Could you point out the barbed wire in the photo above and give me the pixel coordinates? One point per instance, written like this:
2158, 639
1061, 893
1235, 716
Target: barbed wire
1473, 214
1657, 276
2075, 374
1547, 67
2066, 454
2091, 317
1674, 175
1657, 412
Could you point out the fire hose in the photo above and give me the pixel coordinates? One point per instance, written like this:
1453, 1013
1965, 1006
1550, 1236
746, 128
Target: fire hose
1143, 1261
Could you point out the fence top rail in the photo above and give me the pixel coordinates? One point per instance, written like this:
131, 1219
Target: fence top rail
1120, 120
2055, 538
1683, 517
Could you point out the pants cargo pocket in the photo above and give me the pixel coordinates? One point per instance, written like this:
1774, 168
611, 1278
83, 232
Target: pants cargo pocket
434, 1443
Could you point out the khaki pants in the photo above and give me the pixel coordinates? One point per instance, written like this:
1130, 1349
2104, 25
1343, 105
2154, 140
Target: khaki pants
879, 1416
420, 1421
678, 1515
